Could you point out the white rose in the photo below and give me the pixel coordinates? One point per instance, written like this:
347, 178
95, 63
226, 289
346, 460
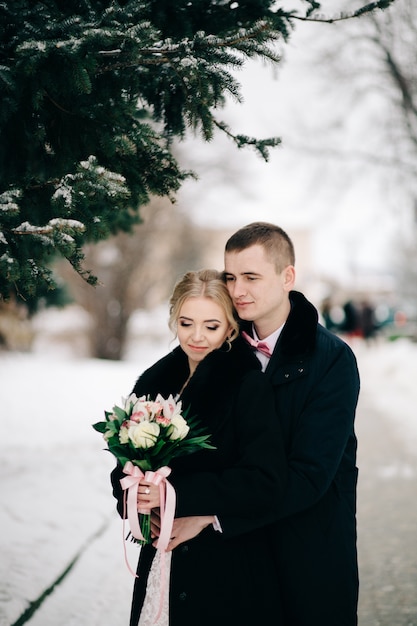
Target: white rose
144, 434
124, 434
178, 428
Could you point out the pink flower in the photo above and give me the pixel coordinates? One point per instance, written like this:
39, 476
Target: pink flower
162, 420
170, 408
141, 411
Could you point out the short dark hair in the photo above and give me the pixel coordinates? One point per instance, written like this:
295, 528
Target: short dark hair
277, 244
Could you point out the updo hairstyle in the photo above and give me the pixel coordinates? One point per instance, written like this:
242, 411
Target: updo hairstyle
204, 283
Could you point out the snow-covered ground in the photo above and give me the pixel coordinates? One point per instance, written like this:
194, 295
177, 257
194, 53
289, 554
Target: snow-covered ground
56, 508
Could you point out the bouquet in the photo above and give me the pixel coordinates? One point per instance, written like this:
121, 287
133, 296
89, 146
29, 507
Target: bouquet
145, 435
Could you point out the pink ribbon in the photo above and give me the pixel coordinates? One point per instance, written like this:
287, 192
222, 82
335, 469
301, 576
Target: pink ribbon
130, 485
261, 346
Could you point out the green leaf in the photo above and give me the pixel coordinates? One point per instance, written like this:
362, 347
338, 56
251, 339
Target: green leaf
100, 426
120, 413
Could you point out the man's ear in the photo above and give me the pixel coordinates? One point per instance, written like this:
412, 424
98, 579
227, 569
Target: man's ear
289, 277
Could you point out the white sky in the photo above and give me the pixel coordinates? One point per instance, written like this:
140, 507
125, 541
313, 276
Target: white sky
346, 204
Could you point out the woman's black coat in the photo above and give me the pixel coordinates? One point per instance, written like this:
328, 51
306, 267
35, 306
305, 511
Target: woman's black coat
222, 578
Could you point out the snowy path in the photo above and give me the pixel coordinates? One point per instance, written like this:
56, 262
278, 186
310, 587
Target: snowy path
56, 508
55, 493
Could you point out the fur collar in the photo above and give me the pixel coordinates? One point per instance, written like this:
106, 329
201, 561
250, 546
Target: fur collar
299, 333
223, 368
220, 370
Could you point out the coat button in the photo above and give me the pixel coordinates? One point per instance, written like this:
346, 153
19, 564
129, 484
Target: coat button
286, 375
182, 596
184, 549
301, 370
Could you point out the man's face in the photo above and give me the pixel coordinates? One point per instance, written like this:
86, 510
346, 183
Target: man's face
259, 293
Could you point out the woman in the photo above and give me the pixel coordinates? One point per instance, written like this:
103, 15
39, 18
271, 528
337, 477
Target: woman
216, 577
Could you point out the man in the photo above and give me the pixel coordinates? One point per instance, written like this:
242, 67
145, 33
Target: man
316, 385
312, 529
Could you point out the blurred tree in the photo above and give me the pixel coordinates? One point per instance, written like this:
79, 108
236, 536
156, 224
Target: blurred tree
92, 93
394, 39
405, 267
374, 72
374, 79
137, 271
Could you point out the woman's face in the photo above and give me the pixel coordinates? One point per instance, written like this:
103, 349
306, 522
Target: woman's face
202, 326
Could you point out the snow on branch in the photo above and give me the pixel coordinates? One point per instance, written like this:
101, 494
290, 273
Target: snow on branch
8, 202
65, 226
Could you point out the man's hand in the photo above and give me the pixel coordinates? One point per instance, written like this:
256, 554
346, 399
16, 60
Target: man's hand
183, 529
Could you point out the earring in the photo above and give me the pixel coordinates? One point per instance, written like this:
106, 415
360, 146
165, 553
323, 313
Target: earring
229, 344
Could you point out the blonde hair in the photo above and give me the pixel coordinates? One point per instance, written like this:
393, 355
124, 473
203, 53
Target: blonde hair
204, 283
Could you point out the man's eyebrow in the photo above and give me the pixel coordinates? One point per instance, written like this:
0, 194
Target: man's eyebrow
243, 273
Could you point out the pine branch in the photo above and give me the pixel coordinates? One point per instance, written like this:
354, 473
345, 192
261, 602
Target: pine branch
86, 275
250, 42
67, 226
261, 145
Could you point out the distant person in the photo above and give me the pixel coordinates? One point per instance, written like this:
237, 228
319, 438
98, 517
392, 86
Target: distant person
351, 323
222, 574
367, 320
326, 313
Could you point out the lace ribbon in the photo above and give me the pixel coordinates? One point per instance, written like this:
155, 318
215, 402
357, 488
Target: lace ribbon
130, 485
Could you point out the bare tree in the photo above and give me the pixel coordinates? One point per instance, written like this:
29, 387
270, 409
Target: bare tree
364, 131
137, 271
406, 267
372, 73
389, 43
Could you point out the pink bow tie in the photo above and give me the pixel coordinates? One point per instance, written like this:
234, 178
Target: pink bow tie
261, 346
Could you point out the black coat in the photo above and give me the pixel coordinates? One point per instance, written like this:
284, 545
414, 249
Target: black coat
223, 578
316, 385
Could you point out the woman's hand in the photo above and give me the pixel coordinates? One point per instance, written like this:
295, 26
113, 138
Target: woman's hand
148, 496
183, 529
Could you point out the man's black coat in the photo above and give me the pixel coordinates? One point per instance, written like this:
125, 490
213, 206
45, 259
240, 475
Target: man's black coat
316, 383
313, 530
